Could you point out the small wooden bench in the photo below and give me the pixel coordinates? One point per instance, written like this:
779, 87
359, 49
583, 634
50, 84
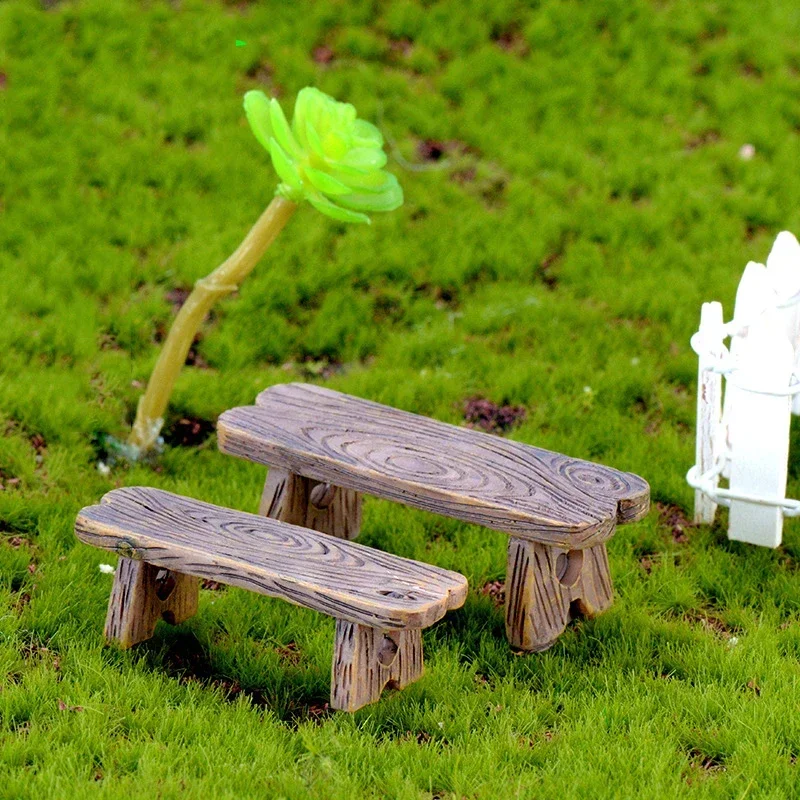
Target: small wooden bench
325, 449
381, 602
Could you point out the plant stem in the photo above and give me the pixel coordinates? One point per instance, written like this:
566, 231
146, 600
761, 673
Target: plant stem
222, 281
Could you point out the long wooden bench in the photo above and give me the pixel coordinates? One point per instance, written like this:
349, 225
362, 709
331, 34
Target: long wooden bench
324, 449
381, 602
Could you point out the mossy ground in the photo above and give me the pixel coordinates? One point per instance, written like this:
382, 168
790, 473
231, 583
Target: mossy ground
573, 193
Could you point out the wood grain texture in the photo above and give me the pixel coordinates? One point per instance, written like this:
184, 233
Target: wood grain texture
374, 449
319, 506
545, 586
365, 660
143, 594
343, 579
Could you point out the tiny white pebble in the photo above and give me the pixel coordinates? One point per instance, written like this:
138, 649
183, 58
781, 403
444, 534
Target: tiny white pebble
441, 725
103, 468
107, 569
746, 152
587, 389
733, 641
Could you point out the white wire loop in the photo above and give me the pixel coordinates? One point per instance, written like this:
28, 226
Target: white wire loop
723, 497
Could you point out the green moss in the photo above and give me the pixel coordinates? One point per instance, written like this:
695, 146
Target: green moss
588, 199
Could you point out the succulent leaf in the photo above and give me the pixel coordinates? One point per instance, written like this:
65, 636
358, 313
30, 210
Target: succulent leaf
256, 107
286, 170
325, 183
326, 156
336, 212
281, 130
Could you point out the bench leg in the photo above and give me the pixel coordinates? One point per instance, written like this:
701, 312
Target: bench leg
143, 594
546, 586
311, 504
365, 660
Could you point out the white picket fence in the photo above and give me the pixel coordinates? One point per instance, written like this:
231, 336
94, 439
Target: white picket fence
744, 437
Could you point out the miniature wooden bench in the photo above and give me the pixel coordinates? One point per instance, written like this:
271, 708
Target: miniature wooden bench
325, 448
381, 602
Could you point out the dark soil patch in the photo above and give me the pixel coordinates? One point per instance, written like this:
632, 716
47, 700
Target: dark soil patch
465, 175
188, 432
38, 443
751, 70
401, 48
316, 712
108, 341
323, 55
545, 271
702, 139
8, 481
420, 737
289, 653
264, 73
674, 518
432, 150
18, 541
3, 81
512, 41
193, 358
34, 650
446, 298
711, 623
495, 591
387, 308
491, 417
754, 230
706, 762
176, 297
23, 600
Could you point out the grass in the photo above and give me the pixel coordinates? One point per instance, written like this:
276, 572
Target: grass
574, 192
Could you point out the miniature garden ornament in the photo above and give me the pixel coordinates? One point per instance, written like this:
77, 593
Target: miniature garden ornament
328, 157
744, 436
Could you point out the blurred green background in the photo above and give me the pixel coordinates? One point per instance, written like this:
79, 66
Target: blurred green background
575, 188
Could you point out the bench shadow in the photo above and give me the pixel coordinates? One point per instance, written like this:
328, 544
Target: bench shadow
301, 695
179, 653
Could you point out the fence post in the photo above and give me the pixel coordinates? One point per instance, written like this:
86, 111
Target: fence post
709, 404
753, 297
761, 438
783, 268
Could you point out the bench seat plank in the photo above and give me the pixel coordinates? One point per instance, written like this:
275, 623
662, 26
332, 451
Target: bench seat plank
340, 578
371, 448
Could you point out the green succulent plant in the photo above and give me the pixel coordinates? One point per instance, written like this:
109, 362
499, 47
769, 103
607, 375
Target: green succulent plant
327, 156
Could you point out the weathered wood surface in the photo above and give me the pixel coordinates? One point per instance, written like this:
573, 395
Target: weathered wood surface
365, 660
319, 506
343, 579
143, 594
378, 450
547, 586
